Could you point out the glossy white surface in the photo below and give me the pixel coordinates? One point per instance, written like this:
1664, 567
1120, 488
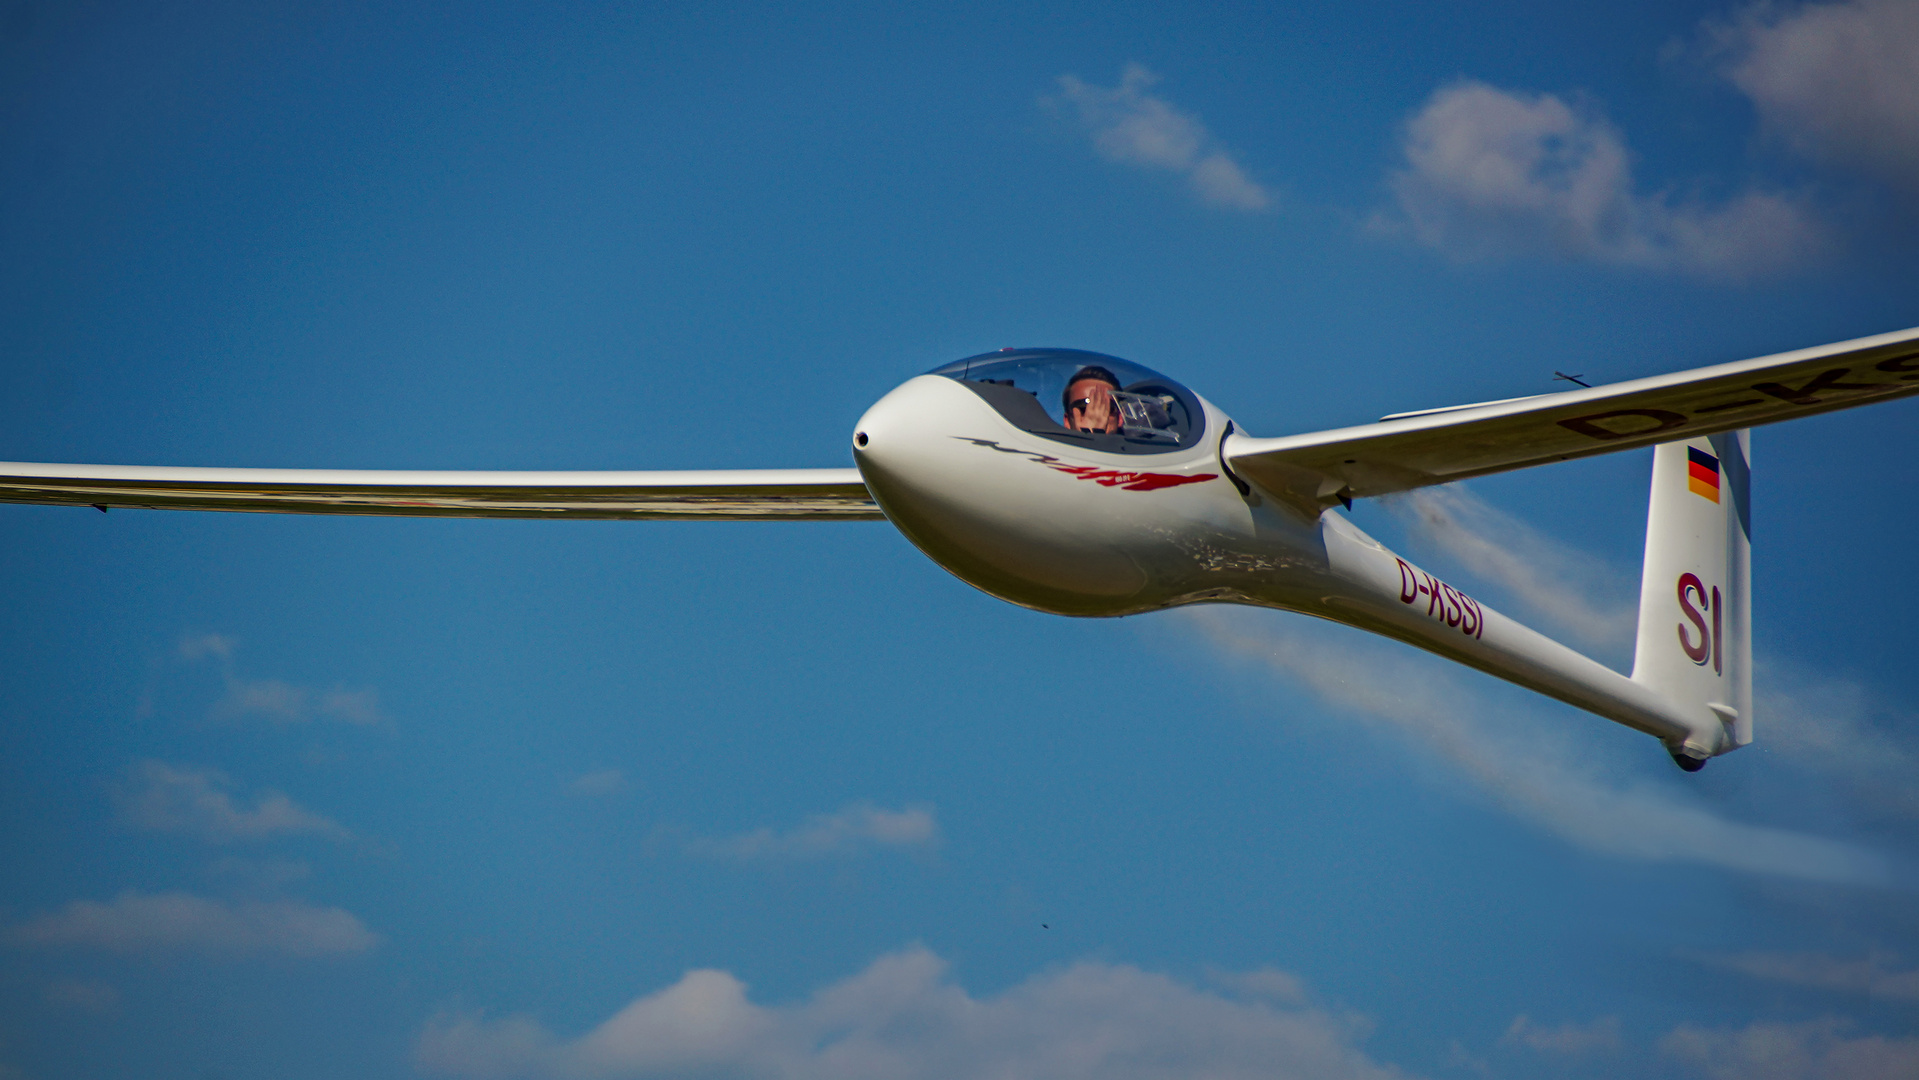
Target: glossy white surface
757, 494
1059, 526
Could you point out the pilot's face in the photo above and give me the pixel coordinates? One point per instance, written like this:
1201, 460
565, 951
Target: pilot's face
1089, 406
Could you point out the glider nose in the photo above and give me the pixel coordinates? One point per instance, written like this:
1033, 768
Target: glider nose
935, 457
891, 443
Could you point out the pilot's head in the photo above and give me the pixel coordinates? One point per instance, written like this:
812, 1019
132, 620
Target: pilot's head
1089, 400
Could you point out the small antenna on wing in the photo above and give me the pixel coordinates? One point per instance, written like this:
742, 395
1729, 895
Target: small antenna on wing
1580, 379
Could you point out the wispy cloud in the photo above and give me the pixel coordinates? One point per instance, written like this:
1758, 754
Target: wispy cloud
1818, 1050
1836, 81
1515, 756
201, 646
1269, 983
268, 699
903, 1018
350, 706
172, 922
1581, 596
283, 703
1821, 721
1491, 173
1825, 723
856, 828
1872, 976
1129, 125
181, 799
1568, 1039
598, 782
274, 700
1830, 723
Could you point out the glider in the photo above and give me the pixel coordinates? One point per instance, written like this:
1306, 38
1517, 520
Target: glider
1081, 484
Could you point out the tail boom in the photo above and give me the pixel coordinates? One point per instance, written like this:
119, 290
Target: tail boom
1390, 596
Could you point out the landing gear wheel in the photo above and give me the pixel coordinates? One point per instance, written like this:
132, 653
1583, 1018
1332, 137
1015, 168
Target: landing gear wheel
1686, 761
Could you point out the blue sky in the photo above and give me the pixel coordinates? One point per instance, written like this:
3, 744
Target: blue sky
300, 797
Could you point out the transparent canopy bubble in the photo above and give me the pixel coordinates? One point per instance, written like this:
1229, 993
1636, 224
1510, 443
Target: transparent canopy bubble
1121, 407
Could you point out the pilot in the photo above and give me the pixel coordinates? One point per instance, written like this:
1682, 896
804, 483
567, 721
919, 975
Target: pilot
1089, 401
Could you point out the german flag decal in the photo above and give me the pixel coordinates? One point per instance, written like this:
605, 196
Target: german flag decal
1702, 473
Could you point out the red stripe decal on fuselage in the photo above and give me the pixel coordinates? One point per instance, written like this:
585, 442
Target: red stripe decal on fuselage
1125, 480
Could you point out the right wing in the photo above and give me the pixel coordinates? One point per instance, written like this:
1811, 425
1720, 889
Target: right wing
729, 495
1438, 446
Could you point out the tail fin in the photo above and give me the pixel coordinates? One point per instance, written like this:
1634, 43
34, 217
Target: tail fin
1695, 609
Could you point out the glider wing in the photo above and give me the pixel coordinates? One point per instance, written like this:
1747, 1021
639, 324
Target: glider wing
1409, 450
735, 495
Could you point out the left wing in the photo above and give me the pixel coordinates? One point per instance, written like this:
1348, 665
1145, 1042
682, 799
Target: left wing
730, 495
1410, 450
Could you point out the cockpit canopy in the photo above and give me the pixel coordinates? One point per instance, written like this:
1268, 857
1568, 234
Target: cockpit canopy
1113, 405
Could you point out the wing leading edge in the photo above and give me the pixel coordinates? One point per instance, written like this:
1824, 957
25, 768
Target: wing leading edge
1413, 450
728, 495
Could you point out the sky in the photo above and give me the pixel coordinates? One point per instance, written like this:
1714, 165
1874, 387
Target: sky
302, 797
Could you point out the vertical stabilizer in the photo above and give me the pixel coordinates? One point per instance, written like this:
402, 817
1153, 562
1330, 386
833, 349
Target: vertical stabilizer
1695, 609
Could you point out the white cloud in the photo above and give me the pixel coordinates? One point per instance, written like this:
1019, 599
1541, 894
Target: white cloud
1522, 759
1263, 982
1491, 173
855, 828
276, 701
1459, 1057
1869, 975
1837, 81
351, 706
175, 798
283, 703
1812, 719
181, 922
218, 646
1129, 125
1826, 724
1220, 180
904, 1019
1819, 1050
1569, 1039
1830, 723
598, 782
1550, 578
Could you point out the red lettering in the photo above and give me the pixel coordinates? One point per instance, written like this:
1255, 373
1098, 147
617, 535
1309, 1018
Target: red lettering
1443, 602
1718, 642
1690, 582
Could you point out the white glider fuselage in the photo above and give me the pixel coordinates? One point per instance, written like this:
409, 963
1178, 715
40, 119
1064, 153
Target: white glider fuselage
1079, 530
1084, 484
